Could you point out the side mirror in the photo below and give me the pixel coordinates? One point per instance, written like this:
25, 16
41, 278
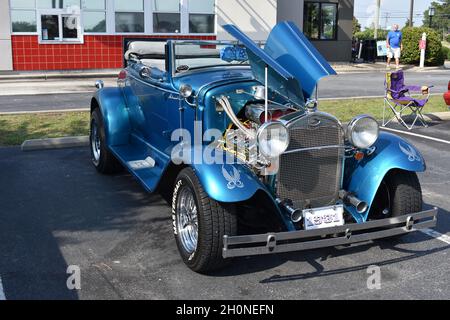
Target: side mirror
185, 91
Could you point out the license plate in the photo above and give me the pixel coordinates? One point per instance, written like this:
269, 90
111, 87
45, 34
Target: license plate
324, 217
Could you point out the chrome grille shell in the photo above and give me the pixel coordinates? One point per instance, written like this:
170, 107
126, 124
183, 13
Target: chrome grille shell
310, 171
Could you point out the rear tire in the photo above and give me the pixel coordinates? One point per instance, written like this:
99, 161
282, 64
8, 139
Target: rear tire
199, 230
399, 194
103, 160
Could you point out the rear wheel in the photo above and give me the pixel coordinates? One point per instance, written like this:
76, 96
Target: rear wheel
200, 223
399, 194
103, 160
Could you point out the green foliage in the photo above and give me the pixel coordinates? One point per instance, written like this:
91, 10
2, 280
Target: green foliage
411, 53
446, 52
369, 34
441, 19
447, 38
356, 26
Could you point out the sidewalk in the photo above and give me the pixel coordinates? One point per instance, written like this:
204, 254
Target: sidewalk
346, 67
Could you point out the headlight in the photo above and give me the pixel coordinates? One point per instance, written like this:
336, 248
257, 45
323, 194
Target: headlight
363, 131
273, 139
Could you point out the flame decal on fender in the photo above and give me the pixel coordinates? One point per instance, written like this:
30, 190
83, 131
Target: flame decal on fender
234, 180
410, 152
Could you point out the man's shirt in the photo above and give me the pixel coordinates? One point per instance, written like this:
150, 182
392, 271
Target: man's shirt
395, 39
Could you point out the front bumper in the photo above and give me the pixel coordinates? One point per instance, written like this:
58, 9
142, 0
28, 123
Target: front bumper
270, 243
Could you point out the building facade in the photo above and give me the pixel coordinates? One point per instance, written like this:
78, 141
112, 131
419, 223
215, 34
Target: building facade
90, 34
327, 23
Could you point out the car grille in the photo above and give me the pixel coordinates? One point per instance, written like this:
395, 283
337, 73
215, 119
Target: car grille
310, 176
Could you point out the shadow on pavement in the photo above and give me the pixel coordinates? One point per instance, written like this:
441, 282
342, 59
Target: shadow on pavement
49, 204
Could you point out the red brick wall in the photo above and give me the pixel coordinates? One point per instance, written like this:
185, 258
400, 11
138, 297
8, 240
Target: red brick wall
97, 52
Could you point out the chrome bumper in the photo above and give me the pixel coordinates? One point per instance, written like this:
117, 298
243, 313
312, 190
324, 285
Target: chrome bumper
270, 243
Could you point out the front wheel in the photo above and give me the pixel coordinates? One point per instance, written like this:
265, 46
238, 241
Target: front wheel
399, 194
200, 223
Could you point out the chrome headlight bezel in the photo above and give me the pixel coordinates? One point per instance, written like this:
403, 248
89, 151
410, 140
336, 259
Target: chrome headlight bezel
363, 125
273, 150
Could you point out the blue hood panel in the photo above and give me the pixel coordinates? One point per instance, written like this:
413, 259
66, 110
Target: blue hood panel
289, 54
280, 80
292, 50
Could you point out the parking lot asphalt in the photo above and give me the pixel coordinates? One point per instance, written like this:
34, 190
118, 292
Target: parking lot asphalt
56, 211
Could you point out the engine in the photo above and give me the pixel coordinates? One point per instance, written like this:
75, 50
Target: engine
241, 137
256, 112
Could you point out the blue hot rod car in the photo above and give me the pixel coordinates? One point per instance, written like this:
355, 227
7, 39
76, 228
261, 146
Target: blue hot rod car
231, 132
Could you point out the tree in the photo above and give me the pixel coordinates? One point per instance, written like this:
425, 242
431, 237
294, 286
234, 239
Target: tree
406, 23
441, 18
356, 26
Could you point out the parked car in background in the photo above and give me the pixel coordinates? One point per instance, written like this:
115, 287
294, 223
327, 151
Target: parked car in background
233, 134
447, 96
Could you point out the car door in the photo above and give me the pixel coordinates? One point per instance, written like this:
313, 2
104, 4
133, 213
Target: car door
156, 102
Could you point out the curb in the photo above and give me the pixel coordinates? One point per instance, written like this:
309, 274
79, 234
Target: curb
56, 76
18, 113
430, 117
438, 116
55, 143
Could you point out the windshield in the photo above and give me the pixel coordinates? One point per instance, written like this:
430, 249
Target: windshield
189, 56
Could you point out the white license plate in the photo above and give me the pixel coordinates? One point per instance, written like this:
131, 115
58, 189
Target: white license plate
324, 217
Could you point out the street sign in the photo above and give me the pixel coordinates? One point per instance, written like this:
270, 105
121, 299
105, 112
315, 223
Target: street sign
422, 44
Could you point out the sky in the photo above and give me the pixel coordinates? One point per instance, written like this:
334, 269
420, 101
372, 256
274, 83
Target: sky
392, 11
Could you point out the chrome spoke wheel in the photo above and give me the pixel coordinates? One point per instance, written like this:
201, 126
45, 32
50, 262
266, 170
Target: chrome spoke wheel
95, 142
187, 220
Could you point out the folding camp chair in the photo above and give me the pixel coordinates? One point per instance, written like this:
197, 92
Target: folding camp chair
399, 100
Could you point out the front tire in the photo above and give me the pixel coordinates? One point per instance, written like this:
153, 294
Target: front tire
399, 194
200, 223
103, 160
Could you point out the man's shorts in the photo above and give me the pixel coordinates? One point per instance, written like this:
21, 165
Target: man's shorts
394, 53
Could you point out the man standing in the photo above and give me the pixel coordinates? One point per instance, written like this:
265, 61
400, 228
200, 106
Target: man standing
394, 46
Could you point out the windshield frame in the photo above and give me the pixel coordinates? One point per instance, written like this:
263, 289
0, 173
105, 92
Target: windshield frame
173, 63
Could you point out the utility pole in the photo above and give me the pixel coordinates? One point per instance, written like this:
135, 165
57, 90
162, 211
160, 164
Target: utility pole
411, 12
377, 19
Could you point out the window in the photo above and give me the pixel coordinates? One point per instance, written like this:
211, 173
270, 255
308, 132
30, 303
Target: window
23, 15
166, 16
58, 25
202, 16
320, 20
94, 16
50, 18
129, 16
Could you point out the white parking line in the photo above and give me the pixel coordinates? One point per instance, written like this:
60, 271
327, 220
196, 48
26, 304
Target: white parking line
2, 293
417, 135
436, 235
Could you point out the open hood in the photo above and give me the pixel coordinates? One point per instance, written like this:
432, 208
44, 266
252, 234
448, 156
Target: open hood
286, 49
